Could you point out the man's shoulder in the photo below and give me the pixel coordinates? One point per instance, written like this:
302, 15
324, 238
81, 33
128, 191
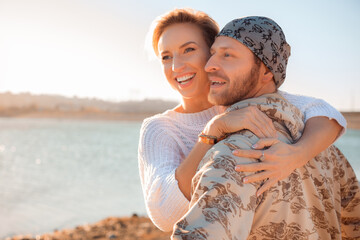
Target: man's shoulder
286, 117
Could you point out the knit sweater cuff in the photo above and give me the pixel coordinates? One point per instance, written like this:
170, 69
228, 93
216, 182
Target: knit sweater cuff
175, 194
176, 204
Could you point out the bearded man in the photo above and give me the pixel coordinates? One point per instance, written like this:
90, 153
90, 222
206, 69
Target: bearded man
320, 200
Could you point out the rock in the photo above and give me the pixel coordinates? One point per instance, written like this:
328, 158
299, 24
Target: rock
112, 236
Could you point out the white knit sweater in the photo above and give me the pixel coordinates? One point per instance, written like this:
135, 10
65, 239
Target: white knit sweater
165, 141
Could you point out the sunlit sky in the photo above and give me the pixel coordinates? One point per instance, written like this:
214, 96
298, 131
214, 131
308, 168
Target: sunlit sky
95, 48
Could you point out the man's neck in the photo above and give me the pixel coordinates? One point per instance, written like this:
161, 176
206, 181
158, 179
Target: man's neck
265, 89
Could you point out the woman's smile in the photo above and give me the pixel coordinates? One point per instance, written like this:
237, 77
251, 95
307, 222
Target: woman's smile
185, 80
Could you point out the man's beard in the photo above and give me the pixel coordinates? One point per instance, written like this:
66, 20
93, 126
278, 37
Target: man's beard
239, 91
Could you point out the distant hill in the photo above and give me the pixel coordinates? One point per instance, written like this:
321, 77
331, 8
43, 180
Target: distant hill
56, 106
19, 104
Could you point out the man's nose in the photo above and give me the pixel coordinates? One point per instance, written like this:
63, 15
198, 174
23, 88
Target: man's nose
178, 64
211, 65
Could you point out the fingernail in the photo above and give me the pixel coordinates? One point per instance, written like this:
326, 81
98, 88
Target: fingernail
245, 180
237, 168
235, 151
254, 146
258, 194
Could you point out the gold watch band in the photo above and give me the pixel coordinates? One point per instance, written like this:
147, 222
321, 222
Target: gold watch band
208, 139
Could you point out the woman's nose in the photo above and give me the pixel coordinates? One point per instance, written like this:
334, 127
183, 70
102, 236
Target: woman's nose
177, 65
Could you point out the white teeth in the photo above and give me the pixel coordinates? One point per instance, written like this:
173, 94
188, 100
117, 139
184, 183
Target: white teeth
184, 78
215, 82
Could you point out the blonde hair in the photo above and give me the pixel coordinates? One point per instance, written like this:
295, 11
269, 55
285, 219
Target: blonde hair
207, 25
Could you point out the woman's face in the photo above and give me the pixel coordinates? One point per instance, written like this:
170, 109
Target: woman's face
184, 53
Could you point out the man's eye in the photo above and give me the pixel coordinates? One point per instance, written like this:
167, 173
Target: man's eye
189, 50
226, 55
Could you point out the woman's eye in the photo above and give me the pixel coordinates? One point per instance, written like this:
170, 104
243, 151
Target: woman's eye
189, 50
226, 55
166, 57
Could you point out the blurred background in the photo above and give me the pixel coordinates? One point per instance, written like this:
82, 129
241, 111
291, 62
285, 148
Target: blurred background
64, 64
95, 48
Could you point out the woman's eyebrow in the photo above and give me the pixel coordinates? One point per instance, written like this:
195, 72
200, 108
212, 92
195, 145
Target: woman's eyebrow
181, 46
187, 43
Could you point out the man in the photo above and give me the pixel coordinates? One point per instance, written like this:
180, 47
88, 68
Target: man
318, 201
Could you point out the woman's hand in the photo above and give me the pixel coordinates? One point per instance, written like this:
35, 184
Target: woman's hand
278, 162
250, 118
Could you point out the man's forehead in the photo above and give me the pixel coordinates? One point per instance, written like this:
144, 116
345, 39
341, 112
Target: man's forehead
223, 42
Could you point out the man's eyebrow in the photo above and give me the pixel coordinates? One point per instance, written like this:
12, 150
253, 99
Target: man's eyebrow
221, 49
226, 48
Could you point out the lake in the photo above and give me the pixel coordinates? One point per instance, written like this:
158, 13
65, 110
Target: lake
58, 174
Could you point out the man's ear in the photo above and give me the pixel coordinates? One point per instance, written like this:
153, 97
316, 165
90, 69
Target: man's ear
267, 75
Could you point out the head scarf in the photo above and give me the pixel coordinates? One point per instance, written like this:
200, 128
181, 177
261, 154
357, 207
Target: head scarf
265, 38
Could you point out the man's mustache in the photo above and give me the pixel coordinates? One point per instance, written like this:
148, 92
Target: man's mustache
218, 75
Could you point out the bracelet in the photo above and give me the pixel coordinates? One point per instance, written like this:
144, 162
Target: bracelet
208, 139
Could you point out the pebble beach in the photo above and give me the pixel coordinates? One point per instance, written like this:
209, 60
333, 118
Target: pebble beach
125, 228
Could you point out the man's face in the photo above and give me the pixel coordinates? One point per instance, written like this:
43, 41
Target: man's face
232, 71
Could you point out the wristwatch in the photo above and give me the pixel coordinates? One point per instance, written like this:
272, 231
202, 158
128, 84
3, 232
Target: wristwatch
208, 139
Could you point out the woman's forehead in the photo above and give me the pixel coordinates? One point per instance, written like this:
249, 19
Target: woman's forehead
180, 33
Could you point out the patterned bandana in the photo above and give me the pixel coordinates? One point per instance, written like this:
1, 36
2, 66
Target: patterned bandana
265, 39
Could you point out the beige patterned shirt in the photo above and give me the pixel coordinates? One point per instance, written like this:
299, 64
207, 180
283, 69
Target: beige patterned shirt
318, 201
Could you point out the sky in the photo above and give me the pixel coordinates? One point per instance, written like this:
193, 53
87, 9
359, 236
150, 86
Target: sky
96, 48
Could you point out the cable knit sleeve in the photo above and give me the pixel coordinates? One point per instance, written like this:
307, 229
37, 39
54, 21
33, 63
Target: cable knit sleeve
313, 107
159, 156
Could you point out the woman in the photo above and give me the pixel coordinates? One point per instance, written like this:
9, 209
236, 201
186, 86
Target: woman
169, 150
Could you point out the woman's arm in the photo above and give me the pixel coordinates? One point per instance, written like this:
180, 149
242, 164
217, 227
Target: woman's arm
247, 118
165, 178
159, 155
314, 107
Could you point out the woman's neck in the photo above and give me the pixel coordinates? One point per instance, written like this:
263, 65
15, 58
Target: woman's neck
191, 105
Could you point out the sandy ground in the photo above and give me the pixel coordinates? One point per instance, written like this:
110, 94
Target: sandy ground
126, 228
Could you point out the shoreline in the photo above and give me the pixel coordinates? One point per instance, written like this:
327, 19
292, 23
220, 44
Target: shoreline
95, 116
124, 228
352, 118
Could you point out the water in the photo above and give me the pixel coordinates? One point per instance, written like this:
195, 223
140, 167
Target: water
58, 174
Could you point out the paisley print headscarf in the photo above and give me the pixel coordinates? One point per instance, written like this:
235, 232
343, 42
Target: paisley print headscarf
265, 38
